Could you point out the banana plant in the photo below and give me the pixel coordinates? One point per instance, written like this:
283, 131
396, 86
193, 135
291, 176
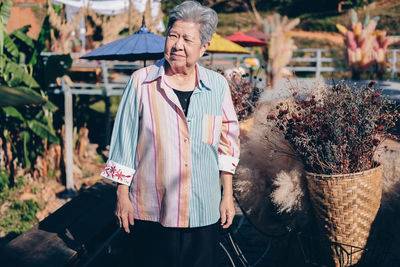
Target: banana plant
18, 96
27, 130
14, 72
25, 113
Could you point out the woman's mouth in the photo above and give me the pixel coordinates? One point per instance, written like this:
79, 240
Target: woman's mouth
176, 55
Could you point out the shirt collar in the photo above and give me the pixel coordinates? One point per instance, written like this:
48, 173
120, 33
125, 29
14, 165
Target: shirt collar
158, 70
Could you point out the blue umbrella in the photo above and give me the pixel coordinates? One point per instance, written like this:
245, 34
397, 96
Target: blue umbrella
142, 45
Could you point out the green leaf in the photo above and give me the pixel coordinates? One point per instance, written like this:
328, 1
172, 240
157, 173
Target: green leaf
57, 8
25, 136
39, 115
13, 112
19, 96
50, 106
25, 29
2, 31
5, 11
2, 63
43, 131
22, 58
10, 46
21, 35
40, 45
20, 73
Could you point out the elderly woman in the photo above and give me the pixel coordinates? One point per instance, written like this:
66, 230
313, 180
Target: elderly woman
175, 141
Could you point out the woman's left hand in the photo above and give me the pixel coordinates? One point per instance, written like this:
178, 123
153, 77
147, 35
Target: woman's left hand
227, 210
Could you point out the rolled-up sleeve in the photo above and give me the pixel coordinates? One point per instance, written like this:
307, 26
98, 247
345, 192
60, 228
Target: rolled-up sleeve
229, 146
120, 166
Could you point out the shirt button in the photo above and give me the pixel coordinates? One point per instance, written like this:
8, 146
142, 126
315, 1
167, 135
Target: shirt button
186, 140
186, 165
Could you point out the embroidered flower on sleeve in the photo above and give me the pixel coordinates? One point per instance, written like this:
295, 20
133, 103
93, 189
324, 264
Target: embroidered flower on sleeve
115, 173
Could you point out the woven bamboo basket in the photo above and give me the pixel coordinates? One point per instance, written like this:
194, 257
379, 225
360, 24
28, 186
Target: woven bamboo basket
345, 206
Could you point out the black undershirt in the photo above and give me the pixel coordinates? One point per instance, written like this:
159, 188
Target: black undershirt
184, 99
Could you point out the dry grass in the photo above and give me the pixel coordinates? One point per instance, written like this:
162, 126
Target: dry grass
390, 159
263, 155
289, 192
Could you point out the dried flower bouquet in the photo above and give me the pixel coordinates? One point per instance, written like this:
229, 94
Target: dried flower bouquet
336, 130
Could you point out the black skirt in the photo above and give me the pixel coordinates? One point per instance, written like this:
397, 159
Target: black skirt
158, 246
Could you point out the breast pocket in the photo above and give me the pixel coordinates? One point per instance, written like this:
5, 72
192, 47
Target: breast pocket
211, 129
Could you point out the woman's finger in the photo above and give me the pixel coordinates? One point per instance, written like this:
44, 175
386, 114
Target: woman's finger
119, 221
226, 224
125, 222
131, 219
223, 217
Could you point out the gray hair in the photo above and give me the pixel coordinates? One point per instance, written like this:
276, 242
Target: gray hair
195, 12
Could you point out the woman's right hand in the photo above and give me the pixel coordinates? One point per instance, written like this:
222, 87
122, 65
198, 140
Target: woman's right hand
124, 209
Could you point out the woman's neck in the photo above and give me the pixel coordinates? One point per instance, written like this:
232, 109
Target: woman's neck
171, 70
181, 80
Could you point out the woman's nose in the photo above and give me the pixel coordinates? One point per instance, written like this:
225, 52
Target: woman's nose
179, 43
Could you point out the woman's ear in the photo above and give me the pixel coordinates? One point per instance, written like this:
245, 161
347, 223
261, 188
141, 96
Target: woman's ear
204, 48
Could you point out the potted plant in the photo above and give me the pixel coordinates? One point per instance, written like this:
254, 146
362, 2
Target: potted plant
335, 131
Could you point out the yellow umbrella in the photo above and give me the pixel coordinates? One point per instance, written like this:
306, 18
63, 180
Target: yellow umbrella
222, 45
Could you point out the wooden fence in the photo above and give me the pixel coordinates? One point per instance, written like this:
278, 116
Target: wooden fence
319, 62
314, 60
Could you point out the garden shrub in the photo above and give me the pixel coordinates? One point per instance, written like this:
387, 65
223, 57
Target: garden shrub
3, 179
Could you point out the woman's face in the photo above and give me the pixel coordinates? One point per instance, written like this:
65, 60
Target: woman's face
183, 45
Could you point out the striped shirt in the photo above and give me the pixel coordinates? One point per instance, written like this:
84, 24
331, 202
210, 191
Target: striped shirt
170, 161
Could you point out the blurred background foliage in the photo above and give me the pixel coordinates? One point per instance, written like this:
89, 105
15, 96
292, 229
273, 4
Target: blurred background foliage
291, 8
315, 15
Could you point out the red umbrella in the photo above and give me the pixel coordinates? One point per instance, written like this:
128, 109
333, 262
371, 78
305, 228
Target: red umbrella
245, 40
257, 34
